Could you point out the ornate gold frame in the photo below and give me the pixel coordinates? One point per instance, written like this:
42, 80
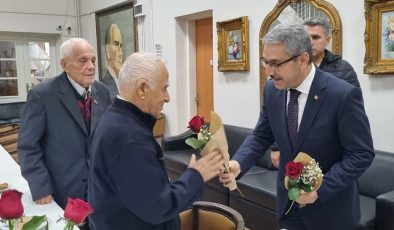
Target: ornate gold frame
238, 63
373, 61
322, 5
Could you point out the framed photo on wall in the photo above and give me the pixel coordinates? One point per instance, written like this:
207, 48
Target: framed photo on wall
233, 44
379, 37
116, 39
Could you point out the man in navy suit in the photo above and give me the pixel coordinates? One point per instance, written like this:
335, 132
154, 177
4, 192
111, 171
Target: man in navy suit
60, 113
332, 128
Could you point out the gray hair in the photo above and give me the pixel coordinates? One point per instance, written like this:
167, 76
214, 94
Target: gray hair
293, 36
319, 21
140, 64
67, 47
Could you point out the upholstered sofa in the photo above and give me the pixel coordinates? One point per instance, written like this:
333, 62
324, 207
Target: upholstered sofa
257, 205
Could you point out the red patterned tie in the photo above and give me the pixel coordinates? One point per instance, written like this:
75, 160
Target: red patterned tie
85, 108
292, 115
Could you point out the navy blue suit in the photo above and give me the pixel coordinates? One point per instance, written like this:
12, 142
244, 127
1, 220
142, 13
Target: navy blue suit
334, 130
128, 183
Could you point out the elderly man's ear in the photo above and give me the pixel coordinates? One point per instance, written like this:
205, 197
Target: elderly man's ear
141, 88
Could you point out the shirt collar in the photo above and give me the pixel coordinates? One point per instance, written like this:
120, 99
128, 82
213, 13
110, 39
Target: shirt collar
83, 92
305, 86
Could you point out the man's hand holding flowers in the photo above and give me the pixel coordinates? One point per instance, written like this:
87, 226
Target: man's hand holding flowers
209, 138
302, 179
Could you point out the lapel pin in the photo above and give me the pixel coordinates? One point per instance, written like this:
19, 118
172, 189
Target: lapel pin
316, 97
95, 102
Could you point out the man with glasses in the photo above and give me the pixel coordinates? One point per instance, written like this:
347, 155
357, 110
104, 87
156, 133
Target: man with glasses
319, 30
308, 110
114, 54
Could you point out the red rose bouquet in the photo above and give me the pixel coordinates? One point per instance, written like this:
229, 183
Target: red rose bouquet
303, 174
209, 138
11, 211
75, 213
198, 126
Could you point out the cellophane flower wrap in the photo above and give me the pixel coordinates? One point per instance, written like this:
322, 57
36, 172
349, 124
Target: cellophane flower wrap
76, 212
210, 137
302, 175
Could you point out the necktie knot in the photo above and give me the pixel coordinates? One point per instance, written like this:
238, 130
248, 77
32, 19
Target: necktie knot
294, 94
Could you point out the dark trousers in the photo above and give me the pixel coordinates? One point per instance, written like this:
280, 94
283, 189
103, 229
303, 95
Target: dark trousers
293, 220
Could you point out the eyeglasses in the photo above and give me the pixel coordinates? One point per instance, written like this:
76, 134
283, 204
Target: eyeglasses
276, 65
117, 44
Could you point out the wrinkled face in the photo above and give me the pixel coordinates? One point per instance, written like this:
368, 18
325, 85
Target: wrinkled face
318, 38
80, 65
285, 75
114, 50
157, 94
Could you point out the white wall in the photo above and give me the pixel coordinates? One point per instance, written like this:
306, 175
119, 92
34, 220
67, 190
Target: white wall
236, 95
38, 16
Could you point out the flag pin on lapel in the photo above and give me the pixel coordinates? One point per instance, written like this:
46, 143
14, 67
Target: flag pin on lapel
316, 97
95, 102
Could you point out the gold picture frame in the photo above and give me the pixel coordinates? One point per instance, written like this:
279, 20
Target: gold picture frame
379, 37
233, 44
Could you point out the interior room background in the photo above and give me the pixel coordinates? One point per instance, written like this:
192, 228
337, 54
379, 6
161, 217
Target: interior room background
169, 24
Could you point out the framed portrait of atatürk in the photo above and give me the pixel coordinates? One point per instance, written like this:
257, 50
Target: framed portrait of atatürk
116, 39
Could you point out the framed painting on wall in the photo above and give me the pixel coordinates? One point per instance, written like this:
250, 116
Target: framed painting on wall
233, 44
379, 37
116, 39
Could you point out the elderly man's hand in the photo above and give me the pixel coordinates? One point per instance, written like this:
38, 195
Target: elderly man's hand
44, 200
235, 170
209, 165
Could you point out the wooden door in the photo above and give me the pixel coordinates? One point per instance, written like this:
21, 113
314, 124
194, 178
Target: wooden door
204, 71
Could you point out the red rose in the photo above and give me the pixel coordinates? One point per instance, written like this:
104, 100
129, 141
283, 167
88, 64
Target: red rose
294, 170
196, 123
11, 206
77, 210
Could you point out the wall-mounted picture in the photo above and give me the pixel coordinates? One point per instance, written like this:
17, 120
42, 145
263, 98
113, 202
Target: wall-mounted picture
387, 38
116, 39
379, 37
233, 44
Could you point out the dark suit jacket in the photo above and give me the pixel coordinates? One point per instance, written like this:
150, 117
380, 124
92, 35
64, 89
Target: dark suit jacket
335, 131
53, 139
111, 85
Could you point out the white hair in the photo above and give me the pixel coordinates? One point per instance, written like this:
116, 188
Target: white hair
140, 64
67, 47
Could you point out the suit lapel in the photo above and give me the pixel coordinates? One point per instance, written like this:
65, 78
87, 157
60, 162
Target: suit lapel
315, 98
94, 108
69, 101
283, 119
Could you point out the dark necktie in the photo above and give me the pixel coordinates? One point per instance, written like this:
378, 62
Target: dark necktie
292, 115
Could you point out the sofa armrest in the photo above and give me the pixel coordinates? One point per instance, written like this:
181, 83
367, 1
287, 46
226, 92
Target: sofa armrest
177, 142
385, 211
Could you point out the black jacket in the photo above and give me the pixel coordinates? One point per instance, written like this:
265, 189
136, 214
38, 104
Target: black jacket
334, 64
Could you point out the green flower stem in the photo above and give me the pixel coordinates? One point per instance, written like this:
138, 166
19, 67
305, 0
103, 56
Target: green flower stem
289, 208
69, 225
